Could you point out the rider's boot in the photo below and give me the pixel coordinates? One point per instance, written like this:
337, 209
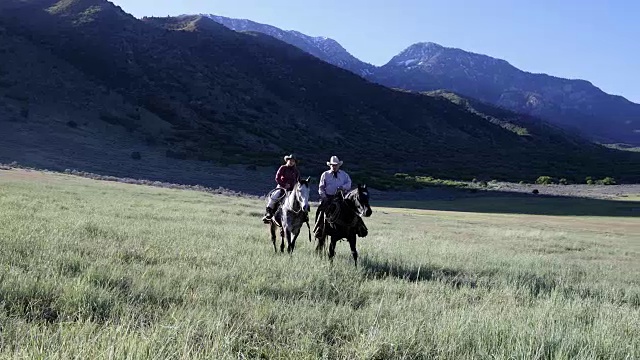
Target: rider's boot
268, 215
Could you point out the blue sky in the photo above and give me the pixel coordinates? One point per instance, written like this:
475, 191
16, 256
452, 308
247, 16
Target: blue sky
595, 40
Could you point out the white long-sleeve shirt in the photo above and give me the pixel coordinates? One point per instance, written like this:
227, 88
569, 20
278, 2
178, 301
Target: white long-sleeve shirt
329, 184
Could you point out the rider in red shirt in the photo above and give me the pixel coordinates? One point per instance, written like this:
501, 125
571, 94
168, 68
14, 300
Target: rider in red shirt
286, 178
288, 174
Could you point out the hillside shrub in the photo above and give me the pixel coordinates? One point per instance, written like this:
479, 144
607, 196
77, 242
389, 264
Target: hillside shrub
607, 181
589, 180
563, 181
544, 180
431, 181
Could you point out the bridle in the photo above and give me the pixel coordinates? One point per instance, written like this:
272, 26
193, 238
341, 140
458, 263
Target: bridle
334, 216
359, 209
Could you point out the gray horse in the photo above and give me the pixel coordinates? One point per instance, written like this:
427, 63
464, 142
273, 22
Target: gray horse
291, 215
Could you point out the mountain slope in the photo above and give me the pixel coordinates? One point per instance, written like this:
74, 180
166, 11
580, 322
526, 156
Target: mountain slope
234, 97
323, 48
573, 104
54, 116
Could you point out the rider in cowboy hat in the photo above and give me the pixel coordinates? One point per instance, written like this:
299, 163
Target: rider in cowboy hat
331, 181
286, 178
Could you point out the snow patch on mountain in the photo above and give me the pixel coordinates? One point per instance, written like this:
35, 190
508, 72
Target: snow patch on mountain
322, 47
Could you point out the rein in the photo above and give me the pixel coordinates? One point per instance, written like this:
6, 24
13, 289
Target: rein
284, 195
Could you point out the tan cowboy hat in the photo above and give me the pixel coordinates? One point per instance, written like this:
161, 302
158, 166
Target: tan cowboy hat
334, 161
290, 157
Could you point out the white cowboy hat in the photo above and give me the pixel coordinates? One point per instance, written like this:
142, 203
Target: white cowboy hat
290, 156
334, 161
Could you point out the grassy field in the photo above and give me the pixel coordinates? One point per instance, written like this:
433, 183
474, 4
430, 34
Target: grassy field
94, 269
525, 204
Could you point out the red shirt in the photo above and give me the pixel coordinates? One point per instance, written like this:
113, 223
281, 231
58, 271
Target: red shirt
287, 176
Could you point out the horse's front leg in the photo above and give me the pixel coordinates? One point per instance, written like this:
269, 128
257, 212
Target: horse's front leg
320, 234
332, 248
292, 243
281, 240
272, 228
289, 242
320, 246
354, 252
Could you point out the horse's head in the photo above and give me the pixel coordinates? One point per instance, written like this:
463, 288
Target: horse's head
360, 198
302, 193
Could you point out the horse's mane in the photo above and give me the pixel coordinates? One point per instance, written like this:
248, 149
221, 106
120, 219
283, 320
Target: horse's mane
291, 196
352, 196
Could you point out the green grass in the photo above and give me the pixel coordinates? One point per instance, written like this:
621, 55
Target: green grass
632, 197
530, 205
624, 147
93, 269
402, 181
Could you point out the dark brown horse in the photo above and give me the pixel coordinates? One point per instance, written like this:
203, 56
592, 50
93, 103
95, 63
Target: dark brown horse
343, 220
291, 215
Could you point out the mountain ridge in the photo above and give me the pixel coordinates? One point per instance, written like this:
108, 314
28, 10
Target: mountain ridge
321, 47
589, 110
576, 103
230, 97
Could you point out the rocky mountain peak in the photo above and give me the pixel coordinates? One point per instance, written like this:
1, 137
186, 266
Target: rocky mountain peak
324, 48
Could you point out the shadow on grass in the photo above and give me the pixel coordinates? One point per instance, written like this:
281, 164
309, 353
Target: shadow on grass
386, 269
512, 203
528, 283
